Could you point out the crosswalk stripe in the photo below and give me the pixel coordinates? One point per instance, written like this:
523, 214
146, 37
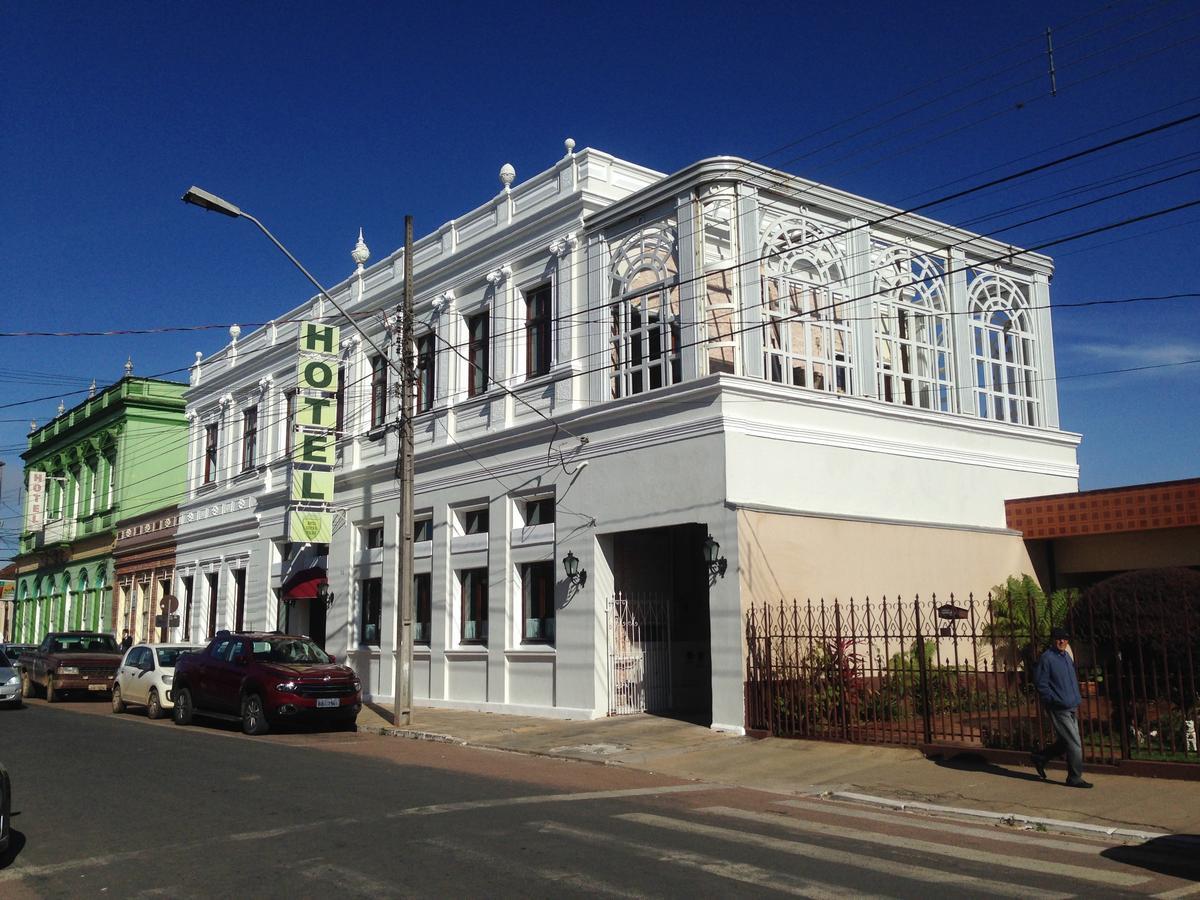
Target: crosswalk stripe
1186, 891
494, 862
893, 868
1038, 866
908, 820
468, 805
745, 873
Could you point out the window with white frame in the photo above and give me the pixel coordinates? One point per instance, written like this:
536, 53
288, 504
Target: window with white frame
472, 521
537, 511
372, 537
538, 330
422, 529
807, 335
644, 330
211, 435
913, 364
289, 420
477, 354
426, 372
371, 590
473, 619
537, 603
1003, 351
719, 205
249, 438
379, 379
423, 608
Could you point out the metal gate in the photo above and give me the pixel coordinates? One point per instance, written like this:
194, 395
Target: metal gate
639, 654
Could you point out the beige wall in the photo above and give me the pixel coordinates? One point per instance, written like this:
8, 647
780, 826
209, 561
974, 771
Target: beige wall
1131, 550
806, 557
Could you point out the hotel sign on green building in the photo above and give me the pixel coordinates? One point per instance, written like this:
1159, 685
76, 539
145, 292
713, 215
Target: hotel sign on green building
310, 499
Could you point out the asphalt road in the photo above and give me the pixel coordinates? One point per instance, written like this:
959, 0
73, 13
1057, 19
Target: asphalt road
119, 806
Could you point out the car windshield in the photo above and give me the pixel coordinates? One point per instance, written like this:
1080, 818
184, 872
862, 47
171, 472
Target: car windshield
83, 643
290, 650
169, 656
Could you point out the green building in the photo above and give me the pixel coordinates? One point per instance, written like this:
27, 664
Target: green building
118, 454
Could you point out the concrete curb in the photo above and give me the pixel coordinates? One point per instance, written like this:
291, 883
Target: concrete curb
1010, 818
434, 736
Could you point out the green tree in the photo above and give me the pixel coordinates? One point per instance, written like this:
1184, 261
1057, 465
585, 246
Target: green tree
1021, 617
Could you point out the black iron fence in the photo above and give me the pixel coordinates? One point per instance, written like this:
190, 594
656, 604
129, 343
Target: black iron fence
961, 673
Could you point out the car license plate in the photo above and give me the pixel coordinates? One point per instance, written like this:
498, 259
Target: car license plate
97, 687
326, 702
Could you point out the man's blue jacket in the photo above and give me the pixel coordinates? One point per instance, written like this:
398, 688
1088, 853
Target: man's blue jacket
1057, 683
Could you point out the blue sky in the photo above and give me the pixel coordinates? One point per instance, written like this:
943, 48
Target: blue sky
321, 118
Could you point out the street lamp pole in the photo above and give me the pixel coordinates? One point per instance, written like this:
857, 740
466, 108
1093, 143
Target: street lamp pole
406, 367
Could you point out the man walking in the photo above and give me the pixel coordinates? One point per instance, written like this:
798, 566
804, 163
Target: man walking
1058, 686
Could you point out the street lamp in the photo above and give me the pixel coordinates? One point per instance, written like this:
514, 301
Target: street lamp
716, 563
402, 658
575, 575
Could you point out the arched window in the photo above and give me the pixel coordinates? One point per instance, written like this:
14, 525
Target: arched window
1002, 349
645, 328
806, 335
913, 365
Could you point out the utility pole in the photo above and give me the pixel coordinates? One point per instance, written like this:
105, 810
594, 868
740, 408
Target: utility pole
402, 642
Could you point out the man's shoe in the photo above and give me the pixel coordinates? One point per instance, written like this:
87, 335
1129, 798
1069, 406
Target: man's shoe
1079, 784
1039, 763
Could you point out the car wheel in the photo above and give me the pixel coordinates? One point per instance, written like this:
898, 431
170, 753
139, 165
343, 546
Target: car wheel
183, 707
254, 719
118, 702
153, 706
52, 696
27, 688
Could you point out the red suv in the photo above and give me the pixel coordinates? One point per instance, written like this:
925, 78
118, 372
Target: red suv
263, 679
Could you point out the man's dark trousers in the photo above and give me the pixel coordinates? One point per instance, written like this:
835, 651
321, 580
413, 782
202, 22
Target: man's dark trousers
1066, 726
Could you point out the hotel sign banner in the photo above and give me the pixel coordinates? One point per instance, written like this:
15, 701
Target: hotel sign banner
35, 517
310, 499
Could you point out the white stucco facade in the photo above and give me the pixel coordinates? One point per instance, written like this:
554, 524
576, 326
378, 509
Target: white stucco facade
638, 359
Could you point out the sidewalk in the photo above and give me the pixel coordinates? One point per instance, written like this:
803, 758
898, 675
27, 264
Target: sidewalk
683, 750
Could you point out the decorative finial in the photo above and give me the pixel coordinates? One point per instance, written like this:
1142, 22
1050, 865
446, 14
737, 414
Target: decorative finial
128, 366
92, 389
507, 174
199, 356
33, 424
360, 254
61, 407
235, 331
569, 143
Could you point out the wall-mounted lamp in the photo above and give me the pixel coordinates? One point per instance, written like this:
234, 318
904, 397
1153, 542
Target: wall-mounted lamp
717, 564
324, 594
575, 575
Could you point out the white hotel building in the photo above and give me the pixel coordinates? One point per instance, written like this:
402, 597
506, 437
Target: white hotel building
617, 364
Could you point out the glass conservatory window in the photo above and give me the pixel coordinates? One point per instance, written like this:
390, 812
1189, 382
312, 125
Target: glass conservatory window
913, 365
718, 206
1002, 350
645, 328
806, 339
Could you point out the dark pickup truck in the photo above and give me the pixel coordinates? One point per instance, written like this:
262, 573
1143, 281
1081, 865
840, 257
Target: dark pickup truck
263, 679
70, 661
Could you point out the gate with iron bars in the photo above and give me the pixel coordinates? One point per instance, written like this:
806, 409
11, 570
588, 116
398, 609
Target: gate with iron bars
639, 653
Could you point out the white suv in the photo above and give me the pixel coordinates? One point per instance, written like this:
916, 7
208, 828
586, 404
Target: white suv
145, 675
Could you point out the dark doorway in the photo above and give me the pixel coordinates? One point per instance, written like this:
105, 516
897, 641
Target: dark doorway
666, 565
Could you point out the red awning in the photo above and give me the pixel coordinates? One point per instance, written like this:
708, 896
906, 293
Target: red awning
304, 585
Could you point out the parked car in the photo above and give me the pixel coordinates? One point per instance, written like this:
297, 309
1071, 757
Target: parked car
14, 652
70, 661
5, 808
145, 675
10, 682
264, 679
